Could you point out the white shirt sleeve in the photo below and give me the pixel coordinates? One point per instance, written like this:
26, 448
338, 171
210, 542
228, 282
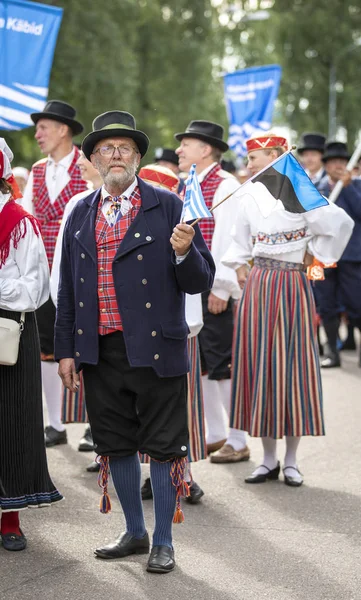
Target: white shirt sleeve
331, 228
239, 250
225, 282
27, 200
30, 289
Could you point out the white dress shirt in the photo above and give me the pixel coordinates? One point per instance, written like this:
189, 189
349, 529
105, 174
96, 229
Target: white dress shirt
225, 282
24, 278
55, 270
56, 178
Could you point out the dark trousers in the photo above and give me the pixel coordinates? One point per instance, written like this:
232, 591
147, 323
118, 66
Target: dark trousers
215, 341
132, 409
45, 316
339, 292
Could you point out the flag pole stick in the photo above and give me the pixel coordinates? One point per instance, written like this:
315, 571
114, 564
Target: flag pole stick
245, 183
350, 165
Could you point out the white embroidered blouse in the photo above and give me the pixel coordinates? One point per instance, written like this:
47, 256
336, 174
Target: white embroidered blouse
323, 232
24, 278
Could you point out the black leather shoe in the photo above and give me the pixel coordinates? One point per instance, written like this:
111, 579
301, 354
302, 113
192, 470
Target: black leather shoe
196, 494
330, 362
161, 560
125, 545
292, 481
53, 437
94, 467
86, 443
14, 542
262, 477
146, 491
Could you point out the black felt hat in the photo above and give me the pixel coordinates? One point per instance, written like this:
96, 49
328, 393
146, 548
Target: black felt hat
115, 123
56, 110
312, 141
166, 154
208, 132
336, 150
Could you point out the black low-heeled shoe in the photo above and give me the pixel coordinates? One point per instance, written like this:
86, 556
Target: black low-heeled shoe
14, 542
271, 474
196, 493
161, 560
146, 490
125, 545
292, 481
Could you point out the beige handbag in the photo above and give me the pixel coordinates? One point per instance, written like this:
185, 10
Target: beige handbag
10, 332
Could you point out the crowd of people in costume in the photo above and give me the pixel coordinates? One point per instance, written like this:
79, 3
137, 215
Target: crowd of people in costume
170, 342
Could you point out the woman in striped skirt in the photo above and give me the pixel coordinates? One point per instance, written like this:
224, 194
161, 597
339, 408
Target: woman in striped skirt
276, 386
24, 286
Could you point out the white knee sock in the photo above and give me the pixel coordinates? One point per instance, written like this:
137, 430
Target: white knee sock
215, 414
236, 437
188, 473
52, 387
269, 456
292, 444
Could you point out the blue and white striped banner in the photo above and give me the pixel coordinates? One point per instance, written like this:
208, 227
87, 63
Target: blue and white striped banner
194, 206
28, 34
250, 96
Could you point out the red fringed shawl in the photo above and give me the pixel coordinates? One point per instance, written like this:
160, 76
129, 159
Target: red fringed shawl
13, 227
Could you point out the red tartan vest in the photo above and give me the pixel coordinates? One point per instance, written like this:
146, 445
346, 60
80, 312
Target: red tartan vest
49, 215
209, 187
108, 240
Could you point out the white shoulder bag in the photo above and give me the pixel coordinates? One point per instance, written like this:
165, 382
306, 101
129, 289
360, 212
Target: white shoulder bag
10, 332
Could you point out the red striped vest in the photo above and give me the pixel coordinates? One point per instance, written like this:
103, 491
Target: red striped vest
209, 187
108, 240
49, 215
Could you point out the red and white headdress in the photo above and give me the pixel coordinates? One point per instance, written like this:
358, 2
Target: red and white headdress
6, 157
266, 141
160, 177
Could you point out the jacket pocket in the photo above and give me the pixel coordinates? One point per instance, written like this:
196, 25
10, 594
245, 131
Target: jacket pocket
175, 331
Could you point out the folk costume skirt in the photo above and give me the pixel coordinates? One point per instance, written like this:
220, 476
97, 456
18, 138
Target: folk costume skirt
23, 466
276, 385
197, 449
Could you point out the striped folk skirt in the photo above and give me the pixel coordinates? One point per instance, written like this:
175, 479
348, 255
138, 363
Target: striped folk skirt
196, 425
276, 385
24, 476
73, 406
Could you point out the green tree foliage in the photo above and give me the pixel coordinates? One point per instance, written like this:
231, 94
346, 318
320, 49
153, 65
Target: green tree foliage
305, 37
152, 58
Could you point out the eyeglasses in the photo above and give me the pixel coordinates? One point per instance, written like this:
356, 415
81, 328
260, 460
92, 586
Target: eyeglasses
109, 150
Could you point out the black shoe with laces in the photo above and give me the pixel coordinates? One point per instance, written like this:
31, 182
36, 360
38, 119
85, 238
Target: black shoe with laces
86, 443
53, 437
196, 493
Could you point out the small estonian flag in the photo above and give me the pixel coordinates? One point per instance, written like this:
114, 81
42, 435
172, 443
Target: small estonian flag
284, 185
194, 206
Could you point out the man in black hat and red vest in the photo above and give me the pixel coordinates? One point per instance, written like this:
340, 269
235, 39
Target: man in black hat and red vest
202, 144
341, 289
126, 266
52, 182
310, 150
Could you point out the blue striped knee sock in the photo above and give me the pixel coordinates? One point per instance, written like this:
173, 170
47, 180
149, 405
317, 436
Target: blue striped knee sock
164, 494
126, 478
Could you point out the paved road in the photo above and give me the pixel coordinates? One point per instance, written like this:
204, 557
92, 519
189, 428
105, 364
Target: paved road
243, 542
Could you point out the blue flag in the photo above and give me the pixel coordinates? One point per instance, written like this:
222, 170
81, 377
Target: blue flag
28, 33
284, 184
194, 206
250, 96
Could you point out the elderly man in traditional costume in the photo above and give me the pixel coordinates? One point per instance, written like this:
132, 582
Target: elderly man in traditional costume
126, 266
202, 144
276, 388
52, 182
24, 287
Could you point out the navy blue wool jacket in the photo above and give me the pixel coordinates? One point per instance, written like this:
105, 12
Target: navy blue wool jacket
350, 200
144, 272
